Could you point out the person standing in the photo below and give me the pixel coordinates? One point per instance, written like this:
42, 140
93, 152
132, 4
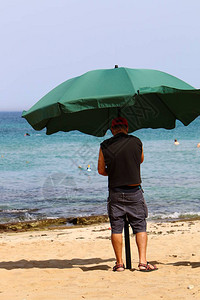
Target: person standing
119, 159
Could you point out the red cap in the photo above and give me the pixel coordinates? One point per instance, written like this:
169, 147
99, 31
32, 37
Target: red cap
119, 121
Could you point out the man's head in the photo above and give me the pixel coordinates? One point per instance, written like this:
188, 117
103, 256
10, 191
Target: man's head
119, 125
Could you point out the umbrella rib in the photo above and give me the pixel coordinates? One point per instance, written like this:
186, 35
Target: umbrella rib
167, 107
129, 78
108, 117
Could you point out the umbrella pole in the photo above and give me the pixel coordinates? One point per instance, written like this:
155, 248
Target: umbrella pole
127, 244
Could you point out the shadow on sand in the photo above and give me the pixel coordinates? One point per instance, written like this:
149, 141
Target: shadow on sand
191, 264
58, 264
79, 263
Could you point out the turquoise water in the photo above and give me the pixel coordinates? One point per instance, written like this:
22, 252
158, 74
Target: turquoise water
41, 178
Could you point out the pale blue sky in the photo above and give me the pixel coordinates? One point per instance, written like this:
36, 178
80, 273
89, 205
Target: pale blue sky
45, 42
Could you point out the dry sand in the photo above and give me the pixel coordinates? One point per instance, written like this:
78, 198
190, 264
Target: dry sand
77, 264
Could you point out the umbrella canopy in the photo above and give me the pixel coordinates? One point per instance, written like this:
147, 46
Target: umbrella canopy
88, 103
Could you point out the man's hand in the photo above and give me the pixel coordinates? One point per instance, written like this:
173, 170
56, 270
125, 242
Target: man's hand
101, 164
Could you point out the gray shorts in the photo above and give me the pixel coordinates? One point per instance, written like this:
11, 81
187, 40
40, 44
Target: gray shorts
128, 204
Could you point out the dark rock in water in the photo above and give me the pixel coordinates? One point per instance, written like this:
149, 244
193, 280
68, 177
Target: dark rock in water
52, 223
32, 225
89, 220
195, 218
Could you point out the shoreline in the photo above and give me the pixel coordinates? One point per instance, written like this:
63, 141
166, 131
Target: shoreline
52, 223
73, 222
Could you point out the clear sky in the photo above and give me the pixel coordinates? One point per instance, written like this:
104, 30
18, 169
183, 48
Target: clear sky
45, 42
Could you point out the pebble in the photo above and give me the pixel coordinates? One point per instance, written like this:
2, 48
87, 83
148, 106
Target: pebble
190, 287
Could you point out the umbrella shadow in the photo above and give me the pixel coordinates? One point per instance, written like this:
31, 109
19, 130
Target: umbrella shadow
58, 264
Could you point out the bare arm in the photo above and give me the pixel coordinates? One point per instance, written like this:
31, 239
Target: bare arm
101, 164
142, 156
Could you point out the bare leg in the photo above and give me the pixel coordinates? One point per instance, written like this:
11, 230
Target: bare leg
116, 239
141, 241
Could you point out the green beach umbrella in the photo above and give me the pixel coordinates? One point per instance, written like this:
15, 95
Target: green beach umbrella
88, 103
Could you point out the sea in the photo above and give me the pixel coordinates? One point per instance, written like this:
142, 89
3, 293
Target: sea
46, 176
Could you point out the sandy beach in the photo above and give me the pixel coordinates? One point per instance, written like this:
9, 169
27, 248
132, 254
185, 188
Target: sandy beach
76, 263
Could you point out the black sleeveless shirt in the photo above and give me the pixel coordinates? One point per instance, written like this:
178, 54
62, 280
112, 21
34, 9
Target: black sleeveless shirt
122, 155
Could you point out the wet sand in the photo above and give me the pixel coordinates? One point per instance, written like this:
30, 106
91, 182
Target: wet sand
76, 263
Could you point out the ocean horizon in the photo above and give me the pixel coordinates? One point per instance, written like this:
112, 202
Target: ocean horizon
46, 176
